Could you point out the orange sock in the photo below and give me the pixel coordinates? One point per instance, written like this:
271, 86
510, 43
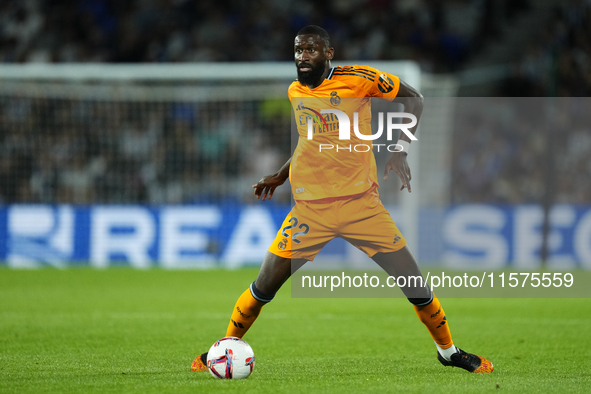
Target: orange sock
245, 312
434, 318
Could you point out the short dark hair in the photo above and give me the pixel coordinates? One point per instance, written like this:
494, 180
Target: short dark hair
317, 30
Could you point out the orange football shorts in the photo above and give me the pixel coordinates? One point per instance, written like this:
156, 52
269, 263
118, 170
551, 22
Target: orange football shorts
361, 220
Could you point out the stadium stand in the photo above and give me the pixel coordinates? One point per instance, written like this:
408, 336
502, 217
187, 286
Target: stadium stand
437, 34
109, 154
557, 64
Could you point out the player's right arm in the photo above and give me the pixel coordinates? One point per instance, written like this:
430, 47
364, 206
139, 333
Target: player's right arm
397, 162
269, 183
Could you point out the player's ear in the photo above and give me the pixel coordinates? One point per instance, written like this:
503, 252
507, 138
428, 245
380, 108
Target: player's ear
330, 53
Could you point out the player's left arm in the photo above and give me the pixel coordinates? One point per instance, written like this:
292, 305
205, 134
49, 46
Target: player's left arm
413, 104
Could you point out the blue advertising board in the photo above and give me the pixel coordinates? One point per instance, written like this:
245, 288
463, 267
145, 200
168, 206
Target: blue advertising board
230, 235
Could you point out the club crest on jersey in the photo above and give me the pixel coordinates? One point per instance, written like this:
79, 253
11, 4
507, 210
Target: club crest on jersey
334, 98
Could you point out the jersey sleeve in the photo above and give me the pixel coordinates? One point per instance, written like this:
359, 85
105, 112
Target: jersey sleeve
385, 85
290, 90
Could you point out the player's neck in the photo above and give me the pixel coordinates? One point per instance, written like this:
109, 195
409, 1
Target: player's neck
322, 77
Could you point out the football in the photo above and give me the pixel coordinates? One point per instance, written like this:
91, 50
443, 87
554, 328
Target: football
230, 358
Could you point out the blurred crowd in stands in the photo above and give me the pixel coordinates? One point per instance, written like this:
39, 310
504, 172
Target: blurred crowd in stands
505, 158
72, 151
54, 150
522, 150
506, 150
438, 34
558, 61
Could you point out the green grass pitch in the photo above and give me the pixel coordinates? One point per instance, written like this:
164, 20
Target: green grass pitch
123, 330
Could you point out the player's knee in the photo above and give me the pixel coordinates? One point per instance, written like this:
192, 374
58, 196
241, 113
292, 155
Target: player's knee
259, 295
427, 298
421, 301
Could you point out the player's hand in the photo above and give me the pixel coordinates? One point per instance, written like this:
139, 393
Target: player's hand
267, 185
399, 165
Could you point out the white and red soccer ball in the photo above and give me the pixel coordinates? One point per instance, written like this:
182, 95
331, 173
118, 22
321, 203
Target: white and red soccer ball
230, 358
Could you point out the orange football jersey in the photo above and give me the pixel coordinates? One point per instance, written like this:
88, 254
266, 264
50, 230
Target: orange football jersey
318, 171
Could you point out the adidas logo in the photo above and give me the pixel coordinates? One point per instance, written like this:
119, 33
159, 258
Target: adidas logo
238, 325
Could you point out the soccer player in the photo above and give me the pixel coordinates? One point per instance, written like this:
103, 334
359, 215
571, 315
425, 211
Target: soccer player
336, 193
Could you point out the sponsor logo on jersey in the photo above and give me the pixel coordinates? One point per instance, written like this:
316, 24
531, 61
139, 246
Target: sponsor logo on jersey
314, 115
